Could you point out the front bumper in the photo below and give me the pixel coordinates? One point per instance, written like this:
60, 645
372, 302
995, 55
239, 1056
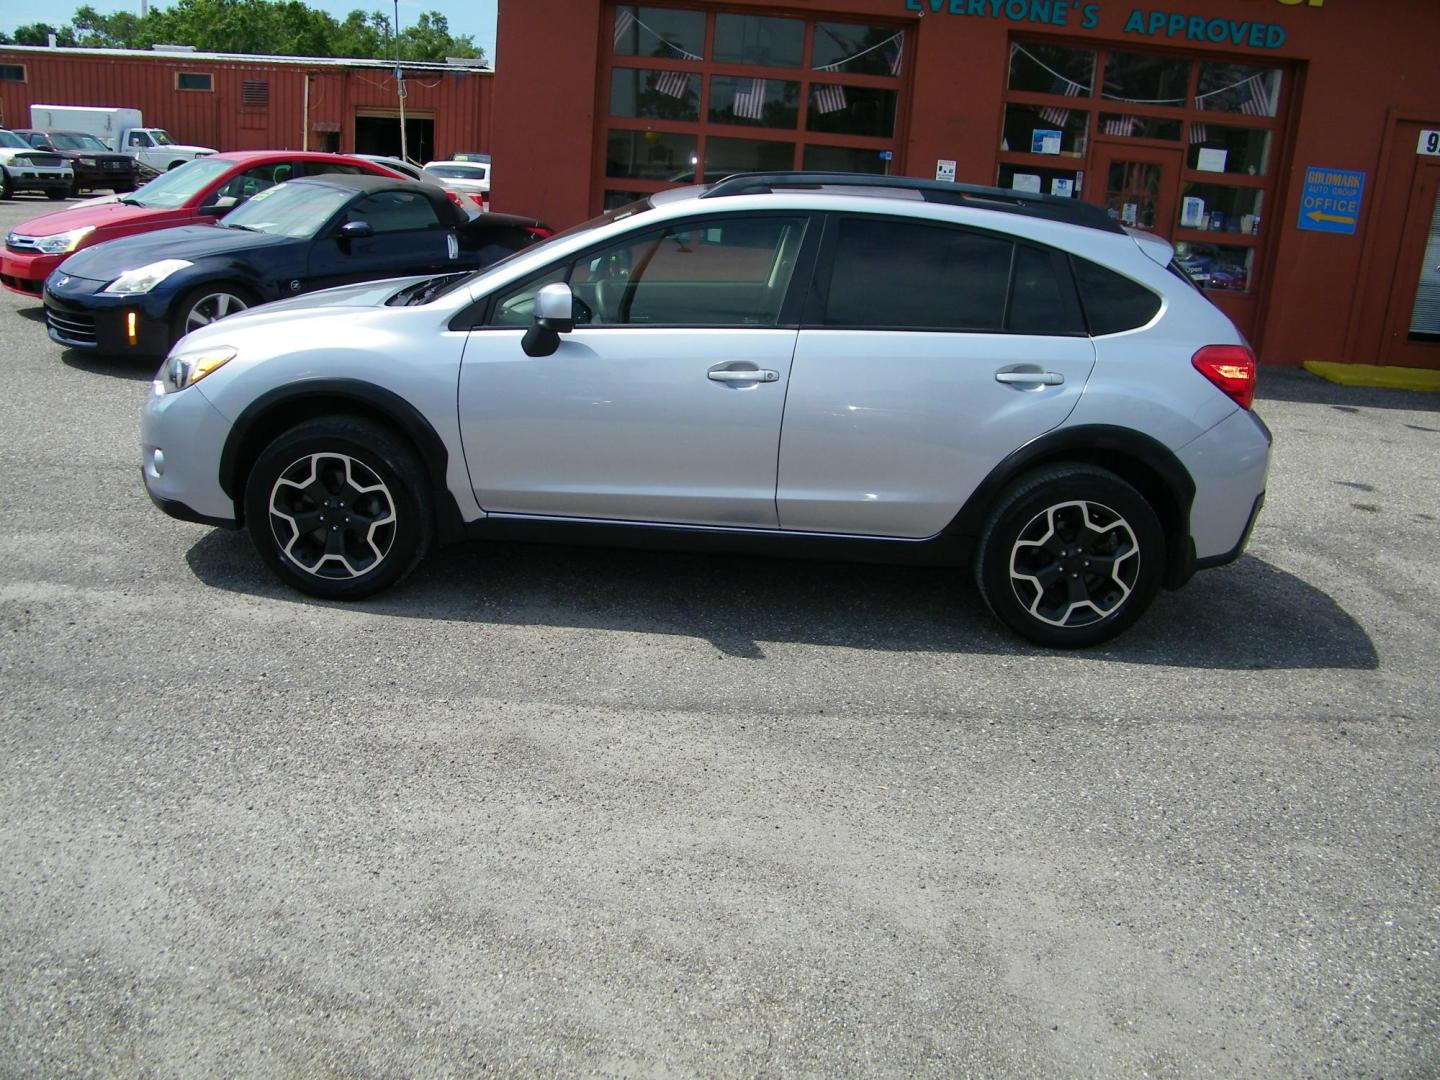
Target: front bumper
34, 178
188, 434
80, 315
116, 177
25, 272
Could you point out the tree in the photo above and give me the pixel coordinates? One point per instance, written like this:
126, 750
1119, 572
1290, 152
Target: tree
266, 27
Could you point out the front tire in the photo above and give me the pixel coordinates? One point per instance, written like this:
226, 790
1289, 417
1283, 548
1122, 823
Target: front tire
202, 306
5, 189
56, 194
339, 507
1071, 556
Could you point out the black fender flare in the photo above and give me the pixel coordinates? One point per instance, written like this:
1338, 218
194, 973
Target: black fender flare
282, 407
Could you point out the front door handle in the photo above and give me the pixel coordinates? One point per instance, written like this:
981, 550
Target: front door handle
1030, 378
742, 375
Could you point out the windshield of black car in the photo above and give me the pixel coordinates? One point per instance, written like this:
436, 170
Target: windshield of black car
9, 138
64, 140
176, 187
295, 210
620, 213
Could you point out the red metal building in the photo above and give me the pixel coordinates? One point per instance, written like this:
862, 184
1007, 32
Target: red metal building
1289, 148
234, 102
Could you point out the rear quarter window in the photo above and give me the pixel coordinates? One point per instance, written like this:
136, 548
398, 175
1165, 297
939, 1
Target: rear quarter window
1112, 302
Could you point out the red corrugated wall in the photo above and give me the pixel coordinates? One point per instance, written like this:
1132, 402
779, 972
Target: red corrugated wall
458, 101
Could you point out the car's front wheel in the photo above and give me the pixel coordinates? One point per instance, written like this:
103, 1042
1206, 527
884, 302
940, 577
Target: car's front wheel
202, 306
1071, 556
339, 507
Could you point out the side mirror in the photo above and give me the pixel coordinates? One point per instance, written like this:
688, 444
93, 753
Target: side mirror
356, 230
215, 209
554, 315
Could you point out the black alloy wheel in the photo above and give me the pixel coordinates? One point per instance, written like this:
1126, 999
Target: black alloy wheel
1071, 556
339, 507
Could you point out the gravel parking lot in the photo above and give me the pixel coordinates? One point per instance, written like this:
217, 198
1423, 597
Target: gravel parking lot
577, 812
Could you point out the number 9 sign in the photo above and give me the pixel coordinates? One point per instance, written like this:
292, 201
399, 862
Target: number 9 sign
1429, 144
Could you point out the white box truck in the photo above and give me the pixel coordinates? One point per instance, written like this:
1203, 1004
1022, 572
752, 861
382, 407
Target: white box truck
123, 130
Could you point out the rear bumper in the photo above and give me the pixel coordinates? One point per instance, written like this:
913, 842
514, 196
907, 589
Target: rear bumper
1229, 464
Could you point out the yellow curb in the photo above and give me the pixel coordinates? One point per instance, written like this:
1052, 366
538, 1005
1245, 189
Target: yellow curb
1391, 378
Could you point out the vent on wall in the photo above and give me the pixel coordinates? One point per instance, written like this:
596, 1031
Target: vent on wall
255, 92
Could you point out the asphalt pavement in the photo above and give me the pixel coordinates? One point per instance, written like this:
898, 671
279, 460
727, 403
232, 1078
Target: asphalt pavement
569, 812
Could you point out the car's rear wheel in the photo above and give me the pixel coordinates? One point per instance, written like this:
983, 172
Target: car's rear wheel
203, 306
1071, 556
339, 507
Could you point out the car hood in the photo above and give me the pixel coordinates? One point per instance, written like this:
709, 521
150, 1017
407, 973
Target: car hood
105, 261
99, 214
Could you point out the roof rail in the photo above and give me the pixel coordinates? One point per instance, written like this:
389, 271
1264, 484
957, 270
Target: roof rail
1049, 207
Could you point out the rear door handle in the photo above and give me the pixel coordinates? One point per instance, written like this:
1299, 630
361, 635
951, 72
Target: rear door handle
1030, 378
733, 375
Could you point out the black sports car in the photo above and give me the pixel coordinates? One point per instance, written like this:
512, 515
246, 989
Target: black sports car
138, 295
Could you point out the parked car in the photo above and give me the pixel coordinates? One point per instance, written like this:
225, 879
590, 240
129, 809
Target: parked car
466, 177
966, 376
123, 131
139, 294
196, 193
23, 168
94, 163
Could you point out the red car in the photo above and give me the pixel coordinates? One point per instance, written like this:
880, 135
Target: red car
196, 193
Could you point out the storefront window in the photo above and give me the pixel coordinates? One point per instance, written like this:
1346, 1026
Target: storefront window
1030, 129
1238, 88
664, 33
755, 39
1146, 79
661, 95
725, 156
1139, 127
1066, 183
1216, 266
1042, 68
650, 155
1216, 208
755, 102
1230, 149
851, 110
848, 49
845, 159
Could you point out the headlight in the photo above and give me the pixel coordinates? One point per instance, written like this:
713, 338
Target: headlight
186, 369
61, 243
86, 160
145, 278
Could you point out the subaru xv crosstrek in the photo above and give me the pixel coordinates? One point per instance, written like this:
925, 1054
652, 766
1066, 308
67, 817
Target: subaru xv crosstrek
824, 365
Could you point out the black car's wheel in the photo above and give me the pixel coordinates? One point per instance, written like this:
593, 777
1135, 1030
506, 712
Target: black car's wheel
1071, 556
123, 189
202, 306
56, 194
339, 507
174, 165
5, 190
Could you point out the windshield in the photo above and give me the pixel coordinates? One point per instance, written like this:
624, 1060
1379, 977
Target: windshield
162, 138
9, 138
175, 188
458, 172
296, 210
66, 140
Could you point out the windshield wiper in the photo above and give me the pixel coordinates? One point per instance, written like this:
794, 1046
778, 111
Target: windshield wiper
247, 228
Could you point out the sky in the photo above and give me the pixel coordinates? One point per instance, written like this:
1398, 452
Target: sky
473, 17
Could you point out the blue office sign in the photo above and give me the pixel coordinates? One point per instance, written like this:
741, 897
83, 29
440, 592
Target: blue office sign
1331, 200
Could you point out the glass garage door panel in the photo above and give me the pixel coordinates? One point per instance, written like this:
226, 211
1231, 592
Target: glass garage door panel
1425, 317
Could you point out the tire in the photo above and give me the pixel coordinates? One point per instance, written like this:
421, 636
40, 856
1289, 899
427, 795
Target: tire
123, 189
174, 165
1036, 565
203, 305
364, 491
6, 191
56, 195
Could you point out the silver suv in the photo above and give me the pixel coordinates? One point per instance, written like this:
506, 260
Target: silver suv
826, 365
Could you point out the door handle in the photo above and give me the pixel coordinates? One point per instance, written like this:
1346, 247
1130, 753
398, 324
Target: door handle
1030, 378
732, 375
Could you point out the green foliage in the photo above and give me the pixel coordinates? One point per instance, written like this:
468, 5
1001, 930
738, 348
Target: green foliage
266, 27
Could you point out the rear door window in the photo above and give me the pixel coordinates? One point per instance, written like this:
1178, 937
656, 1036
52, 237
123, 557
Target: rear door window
1043, 300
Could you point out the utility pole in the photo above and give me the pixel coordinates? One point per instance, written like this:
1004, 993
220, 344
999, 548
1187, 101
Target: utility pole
400, 86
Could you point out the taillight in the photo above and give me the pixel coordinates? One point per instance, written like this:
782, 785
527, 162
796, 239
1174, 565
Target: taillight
1231, 368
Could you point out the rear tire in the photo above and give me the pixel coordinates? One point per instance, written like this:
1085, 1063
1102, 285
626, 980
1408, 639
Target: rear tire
340, 507
1071, 556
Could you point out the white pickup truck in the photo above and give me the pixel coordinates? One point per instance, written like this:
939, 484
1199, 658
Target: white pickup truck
123, 130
